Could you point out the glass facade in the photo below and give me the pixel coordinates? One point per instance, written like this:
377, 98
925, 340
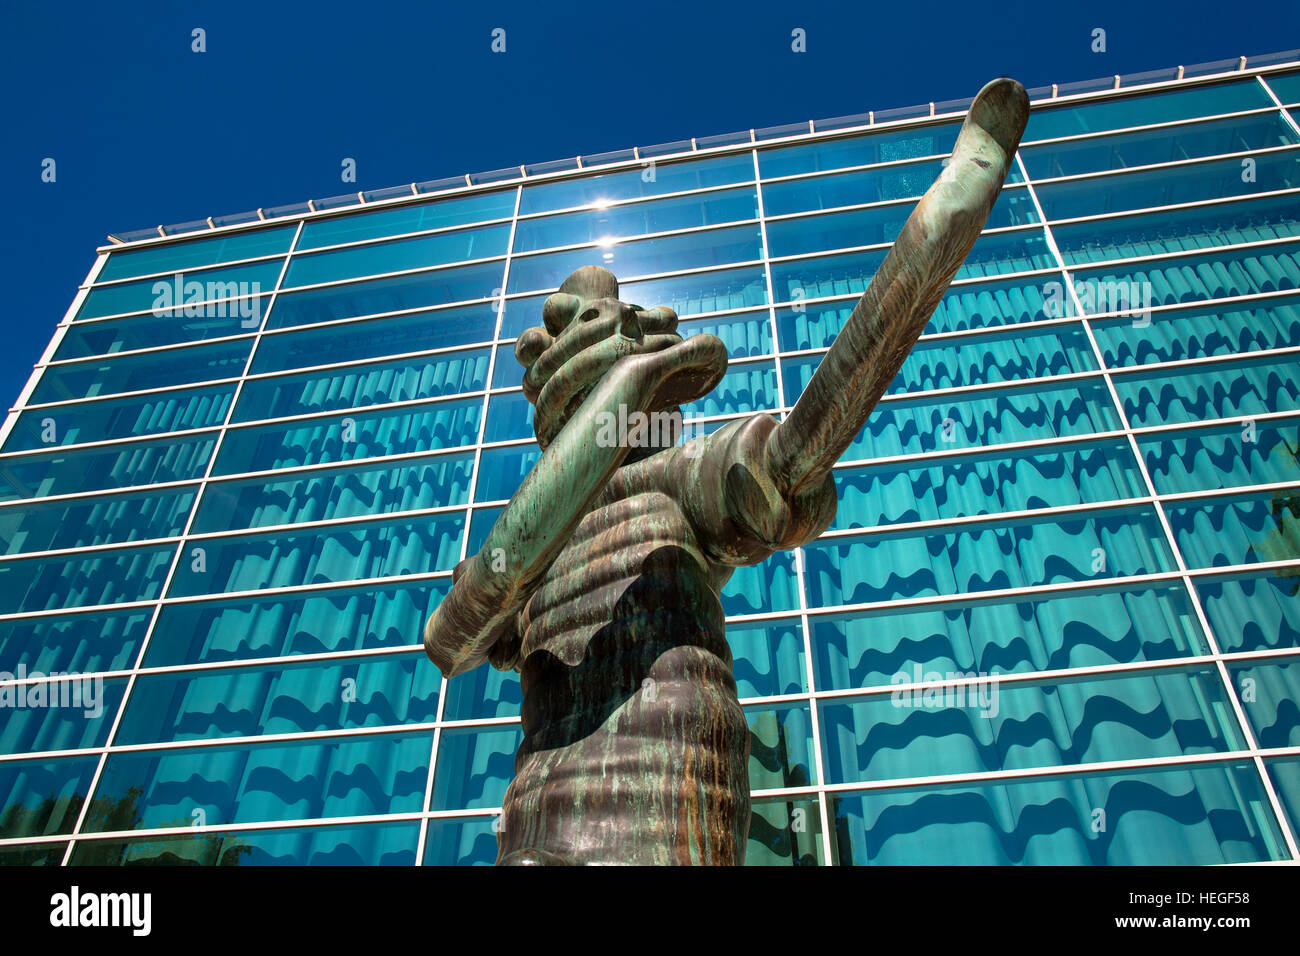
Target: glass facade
1056, 619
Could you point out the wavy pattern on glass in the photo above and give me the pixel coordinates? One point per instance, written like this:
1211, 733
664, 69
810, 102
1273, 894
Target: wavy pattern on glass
102, 577
1200, 815
97, 469
361, 385
348, 437
1253, 612
249, 701
986, 360
1016, 554
1226, 456
986, 484
281, 625
1244, 388
970, 728
1200, 332
1006, 636
330, 495
348, 776
82, 522
120, 418
320, 555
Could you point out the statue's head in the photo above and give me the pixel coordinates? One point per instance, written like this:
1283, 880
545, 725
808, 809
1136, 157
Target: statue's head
587, 330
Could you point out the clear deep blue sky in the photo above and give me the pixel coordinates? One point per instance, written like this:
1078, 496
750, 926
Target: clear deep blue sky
145, 131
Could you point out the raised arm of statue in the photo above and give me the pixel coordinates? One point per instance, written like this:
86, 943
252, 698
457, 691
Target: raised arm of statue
892, 313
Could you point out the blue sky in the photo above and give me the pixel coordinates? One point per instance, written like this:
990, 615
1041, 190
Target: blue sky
145, 131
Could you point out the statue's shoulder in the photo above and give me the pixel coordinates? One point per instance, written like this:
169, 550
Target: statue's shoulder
725, 487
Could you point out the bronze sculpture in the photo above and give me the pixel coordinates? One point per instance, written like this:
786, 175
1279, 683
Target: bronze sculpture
599, 581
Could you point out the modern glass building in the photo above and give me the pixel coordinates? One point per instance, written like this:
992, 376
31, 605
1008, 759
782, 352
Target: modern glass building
1057, 619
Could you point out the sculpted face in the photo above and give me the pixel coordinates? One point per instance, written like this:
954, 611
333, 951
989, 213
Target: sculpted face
587, 332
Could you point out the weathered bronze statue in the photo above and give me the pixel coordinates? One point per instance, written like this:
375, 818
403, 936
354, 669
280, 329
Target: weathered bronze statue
599, 582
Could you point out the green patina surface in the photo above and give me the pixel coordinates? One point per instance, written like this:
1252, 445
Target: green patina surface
599, 582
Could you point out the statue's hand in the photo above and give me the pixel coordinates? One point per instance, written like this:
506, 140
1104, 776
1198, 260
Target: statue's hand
654, 368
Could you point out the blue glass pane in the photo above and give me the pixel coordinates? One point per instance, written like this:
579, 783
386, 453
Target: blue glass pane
373, 844
993, 254
388, 432
320, 622
1006, 636
849, 189
861, 227
1268, 692
744, 335
650, 179
760, 588
510, 416
482, 694
375, 296
102, 577
1254, 611
327, 495
121, 418
58, 715
81, 642
1244, 529
461, 841
1163, 107
860, 150
378, 383
988, 556
1199, 332
171, 256
345, 777
248, 701
768, 657
1201, 392
344, 553
89, 521
1214, 138
41, 797
501, 470
967, 305
93, 469
415, 217
1167, 186
474, 767
354, 262
987, 483
1225, 456
988, 727
181, 292
694, 250
910, 425
507, 373
137, 373
147, 331
979, 360
1175, 230
1197, 815
750, 387
636, 219
480, 525
780, 746
700, 291
1189, 279
1286, 86
388, 336
784, 831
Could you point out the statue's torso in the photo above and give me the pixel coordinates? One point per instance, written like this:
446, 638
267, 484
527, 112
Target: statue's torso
630, 713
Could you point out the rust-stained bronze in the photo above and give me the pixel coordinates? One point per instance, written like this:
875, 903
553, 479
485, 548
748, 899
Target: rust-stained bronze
599, 582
